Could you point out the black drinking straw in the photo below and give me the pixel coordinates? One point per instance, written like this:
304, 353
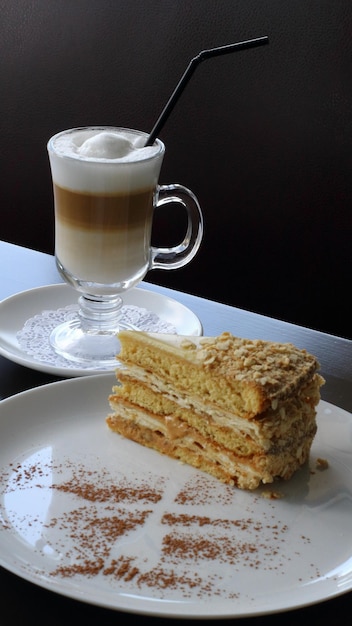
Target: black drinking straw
205, 54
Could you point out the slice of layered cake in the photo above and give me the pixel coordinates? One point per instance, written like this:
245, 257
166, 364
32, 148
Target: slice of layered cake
241, 410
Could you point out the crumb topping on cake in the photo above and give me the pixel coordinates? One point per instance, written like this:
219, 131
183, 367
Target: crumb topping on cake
270, 365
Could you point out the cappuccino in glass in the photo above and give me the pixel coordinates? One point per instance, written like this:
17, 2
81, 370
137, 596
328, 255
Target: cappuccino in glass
104, 185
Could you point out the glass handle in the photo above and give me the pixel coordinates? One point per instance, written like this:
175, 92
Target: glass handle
181, 254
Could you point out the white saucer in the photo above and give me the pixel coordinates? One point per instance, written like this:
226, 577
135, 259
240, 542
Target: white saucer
17, 309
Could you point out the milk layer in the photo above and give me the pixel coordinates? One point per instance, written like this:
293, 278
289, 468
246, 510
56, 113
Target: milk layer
117, 258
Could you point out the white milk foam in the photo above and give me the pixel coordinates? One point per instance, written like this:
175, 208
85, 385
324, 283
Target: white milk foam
104, 159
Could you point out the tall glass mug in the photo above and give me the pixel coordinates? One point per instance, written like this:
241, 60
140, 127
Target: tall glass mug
105, 192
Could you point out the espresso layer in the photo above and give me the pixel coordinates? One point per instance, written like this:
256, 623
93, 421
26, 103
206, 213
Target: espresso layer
103, 212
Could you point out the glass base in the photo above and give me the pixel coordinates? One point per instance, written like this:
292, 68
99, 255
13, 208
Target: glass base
72, 343
91, 338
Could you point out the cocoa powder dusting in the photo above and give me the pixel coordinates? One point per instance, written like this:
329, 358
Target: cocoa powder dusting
129, 532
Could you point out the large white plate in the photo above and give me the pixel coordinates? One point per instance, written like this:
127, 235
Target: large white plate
68, 490
17, 309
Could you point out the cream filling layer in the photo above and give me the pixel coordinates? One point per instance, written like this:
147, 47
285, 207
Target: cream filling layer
276, 425
231, 464
219, 415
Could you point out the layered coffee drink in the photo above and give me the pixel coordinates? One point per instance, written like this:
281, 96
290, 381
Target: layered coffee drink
104, 185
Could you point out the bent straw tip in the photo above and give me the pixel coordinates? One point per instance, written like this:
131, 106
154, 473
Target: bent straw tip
204, 54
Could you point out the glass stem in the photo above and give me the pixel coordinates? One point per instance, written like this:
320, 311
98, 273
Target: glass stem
100, 314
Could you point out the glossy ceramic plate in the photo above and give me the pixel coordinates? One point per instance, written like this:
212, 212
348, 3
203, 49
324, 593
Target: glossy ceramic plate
17, 309
95, 517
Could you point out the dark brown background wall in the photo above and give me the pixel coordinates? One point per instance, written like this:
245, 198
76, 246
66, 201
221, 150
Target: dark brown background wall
263, 137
